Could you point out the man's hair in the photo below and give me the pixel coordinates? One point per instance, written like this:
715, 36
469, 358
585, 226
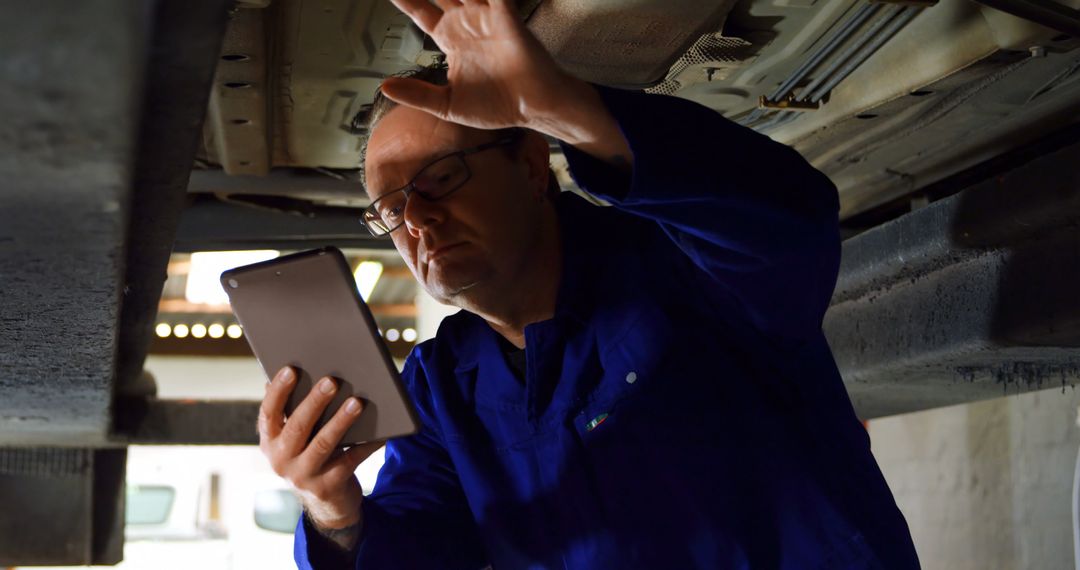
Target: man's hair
435, 75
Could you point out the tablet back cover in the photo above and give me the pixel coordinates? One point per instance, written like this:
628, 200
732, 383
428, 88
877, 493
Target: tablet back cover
304, 310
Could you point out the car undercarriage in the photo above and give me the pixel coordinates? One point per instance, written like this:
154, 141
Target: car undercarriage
133, 131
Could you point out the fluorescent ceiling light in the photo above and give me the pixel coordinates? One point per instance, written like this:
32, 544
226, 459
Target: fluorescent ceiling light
367, 275
204, 277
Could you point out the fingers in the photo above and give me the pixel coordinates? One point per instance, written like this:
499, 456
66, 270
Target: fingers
272, 409
325, 442
345, 465
434, 99
422, 12
297, 429
318, 470
445, 5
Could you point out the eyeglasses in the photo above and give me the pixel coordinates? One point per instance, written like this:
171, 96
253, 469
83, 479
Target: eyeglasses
437, 180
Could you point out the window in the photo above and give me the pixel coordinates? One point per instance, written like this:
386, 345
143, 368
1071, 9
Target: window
277, 510
148, 504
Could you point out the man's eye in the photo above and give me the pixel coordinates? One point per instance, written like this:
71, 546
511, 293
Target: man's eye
433, 182
391, 213
439, 176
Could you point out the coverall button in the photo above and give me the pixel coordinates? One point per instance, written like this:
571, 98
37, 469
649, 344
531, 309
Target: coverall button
631, 378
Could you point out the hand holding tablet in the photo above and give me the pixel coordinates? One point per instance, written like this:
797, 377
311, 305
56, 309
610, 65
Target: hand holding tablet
333, 383
303, 311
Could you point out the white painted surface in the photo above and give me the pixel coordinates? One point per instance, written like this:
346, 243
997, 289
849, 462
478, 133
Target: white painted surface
986, 485
223, 378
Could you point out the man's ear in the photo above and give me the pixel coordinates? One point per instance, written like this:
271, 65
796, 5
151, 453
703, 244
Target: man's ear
537, 156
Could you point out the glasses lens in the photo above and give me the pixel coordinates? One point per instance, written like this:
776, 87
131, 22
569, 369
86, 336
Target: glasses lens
441, 177
433, 182
373, 222
386, 213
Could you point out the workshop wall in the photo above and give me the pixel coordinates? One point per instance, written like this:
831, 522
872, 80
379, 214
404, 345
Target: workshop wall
986, 485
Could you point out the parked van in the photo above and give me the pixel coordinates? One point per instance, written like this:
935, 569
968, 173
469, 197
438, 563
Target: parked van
210, 507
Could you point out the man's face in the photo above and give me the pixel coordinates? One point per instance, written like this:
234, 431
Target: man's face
477, 239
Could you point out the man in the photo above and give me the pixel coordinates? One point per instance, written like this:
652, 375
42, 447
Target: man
640, 386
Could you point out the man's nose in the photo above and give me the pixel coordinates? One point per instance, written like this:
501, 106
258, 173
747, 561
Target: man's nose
421, 213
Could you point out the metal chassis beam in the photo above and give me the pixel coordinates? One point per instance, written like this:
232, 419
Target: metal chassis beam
1053, 15
971, 297
199, 422
75, 192
210, 224
185, 48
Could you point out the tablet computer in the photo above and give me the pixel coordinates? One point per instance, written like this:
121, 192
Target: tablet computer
304, 310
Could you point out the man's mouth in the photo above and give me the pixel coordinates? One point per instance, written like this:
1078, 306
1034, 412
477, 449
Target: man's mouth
438, 252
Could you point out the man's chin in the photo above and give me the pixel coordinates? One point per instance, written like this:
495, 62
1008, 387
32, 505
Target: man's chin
448, 279
447, 287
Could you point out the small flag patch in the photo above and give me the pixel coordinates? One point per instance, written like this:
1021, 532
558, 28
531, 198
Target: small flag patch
595, 422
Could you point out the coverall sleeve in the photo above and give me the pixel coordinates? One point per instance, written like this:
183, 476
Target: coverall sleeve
417, 516
750, 212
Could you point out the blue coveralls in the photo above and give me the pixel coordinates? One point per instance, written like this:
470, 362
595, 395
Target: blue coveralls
681, 410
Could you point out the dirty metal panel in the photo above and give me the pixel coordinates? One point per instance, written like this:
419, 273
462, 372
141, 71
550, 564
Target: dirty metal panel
69, 504
66, 146
968, 298
630, 43
237, 125
1005, 101
956, 85
330, 58
295, 183
184, 50
203, 422
209, 224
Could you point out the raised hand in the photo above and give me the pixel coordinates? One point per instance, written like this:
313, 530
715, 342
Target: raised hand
499, 74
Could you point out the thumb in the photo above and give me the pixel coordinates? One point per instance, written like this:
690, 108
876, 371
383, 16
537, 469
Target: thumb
434, 99
354, 456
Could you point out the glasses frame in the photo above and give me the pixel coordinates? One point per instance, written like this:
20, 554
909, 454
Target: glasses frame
410, 188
